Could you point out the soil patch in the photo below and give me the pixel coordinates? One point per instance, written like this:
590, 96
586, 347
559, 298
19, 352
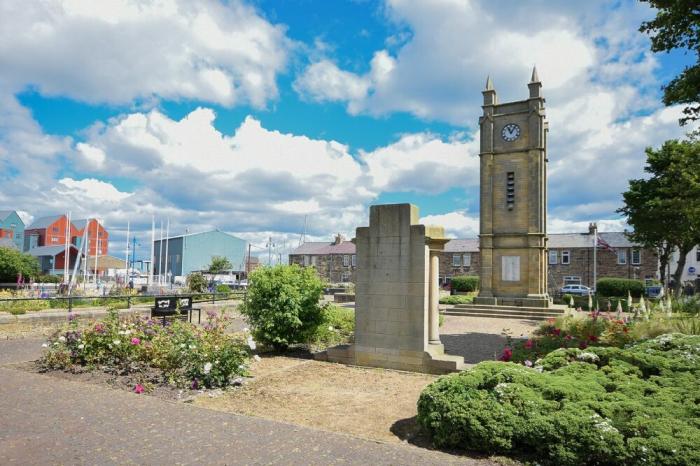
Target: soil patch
364, 402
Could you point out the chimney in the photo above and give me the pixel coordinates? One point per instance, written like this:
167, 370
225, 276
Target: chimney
592, 227
338, 239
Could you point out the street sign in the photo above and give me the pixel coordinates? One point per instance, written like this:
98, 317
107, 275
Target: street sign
691, 270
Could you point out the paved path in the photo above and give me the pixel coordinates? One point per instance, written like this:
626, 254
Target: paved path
44, 420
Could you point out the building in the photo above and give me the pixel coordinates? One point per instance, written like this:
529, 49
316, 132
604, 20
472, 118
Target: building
691, 271
569, 257
47, 231
513, 199
334, 261
97, 236
193, 252
11, 229
52, 258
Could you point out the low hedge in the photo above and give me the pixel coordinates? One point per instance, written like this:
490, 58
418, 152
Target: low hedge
601, 405
619, 287
465, 283
456, 299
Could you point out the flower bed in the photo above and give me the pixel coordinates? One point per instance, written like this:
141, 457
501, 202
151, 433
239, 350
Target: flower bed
595, 406
182, 354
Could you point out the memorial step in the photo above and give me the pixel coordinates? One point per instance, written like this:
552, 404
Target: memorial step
546, 310
504, 312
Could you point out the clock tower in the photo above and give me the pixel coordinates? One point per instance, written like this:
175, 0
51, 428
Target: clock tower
513, 199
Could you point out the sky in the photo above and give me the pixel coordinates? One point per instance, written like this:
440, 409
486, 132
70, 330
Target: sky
269, 118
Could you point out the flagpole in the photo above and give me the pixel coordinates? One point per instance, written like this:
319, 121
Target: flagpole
595, 257
66, 252
126, 260
153, 241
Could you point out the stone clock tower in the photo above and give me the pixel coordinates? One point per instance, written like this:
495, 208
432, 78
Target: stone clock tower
513, 236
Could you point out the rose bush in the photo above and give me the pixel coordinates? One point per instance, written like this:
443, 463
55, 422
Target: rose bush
185, 355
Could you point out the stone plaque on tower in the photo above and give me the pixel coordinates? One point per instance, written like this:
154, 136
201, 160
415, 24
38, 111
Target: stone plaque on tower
513, 199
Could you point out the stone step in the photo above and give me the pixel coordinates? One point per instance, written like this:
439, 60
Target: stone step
498, 315
547, 310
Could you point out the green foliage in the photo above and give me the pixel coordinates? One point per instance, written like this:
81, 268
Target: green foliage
196, 282
48, 279
185, 354
664, 207
456, 299
600, 406
282, 305
13, 262
465, 283
337, 327
221, 288
619, 287
677, 26
686, 304
219, 264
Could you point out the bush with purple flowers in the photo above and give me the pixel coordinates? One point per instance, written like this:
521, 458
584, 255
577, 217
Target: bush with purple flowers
184, 355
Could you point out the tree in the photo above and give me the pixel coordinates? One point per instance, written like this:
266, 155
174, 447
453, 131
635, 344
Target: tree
219, 264
13, 262
664, 209
196, 282
677, 26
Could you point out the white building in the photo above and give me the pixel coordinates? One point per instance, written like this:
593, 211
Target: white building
691, 272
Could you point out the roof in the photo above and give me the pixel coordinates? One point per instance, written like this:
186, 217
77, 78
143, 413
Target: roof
195, 234
5, 213
616, 239
48, 250
8, 243
462, 245
325, 248
43, 222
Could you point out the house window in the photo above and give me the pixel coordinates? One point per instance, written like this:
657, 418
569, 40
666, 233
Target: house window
354, 260
697, 253
313, 260
54, 239
622, 256
552, 257
636, 257
346, 261
307, 260
572, 280
467, 260
345, 277
456, 260
565, 257
54, 229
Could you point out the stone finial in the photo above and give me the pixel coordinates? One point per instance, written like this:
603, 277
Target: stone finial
535, 85
592, 227
489, 93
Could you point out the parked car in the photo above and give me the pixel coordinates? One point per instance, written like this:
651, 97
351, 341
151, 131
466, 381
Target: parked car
578, 290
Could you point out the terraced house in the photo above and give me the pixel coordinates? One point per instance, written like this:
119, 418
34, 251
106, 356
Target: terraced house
334, 261
570, 259
11, 230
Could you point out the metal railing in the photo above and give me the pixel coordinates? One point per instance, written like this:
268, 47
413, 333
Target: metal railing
75, 301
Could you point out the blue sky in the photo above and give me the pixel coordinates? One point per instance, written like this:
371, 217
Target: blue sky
250, 116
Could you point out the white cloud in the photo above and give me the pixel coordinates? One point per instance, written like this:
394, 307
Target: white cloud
458, 224
118, 51
89, 188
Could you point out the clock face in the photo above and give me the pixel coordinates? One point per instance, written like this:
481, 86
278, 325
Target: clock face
510, 132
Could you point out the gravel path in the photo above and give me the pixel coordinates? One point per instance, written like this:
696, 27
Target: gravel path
478, 338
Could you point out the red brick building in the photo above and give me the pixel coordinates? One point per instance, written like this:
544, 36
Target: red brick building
48, 231
98, 237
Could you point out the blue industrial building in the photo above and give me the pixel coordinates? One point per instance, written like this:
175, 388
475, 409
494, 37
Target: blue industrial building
193, 252
11, 229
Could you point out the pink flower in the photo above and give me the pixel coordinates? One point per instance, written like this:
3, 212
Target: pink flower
138, 388
528, 344
583, 345
135, 341
528, 363
507, 354
568, 337
592, 338
556, 331
99, 328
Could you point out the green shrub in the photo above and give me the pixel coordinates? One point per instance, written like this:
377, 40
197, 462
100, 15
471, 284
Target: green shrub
465, 283
282, 305
197, 282
566, 299
605, 406
619, 287
337, 327
221, 288
185, 354
456, 299
49, 279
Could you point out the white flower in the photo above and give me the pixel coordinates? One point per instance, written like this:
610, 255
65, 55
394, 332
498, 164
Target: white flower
55, 343
330, 327
251, 343
44, 345
62, 339
192, 346
182, 345
245, 330
207, 368
116, 342
257, 358
588, 357
126, 332
81, 346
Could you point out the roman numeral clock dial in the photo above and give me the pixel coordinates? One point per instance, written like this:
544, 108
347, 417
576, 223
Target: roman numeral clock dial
510, 132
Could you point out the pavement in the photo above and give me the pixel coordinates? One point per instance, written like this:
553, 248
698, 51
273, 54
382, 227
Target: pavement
45, 420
